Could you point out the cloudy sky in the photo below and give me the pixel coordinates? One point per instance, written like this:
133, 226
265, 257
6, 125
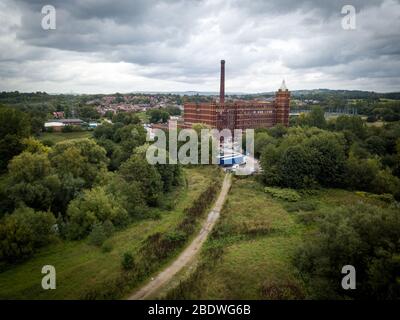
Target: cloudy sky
104, 46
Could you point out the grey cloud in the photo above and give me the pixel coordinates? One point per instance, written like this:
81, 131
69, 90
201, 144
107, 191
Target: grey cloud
183, 40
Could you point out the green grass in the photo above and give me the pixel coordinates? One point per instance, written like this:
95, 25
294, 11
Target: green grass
80, 266
256, 238
56, 137
378, 124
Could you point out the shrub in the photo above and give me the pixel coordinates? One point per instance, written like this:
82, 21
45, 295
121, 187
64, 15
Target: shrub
388, 198
300, 206
136, 168
176, 236
127, 261
283, 194
281, 290
22, 232
48, 142
92, 207
106, 247
97, 236
108, 228
67, 129
362, 235
198, 207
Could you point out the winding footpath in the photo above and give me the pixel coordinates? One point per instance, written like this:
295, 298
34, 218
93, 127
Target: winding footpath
188, 254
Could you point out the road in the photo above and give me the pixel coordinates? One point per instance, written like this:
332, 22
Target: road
189, 253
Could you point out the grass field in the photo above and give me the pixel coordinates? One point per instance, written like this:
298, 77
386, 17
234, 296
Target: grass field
250, 253
56, 137
81, 266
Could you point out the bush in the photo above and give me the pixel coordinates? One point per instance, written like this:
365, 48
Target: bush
98, 235
48, 142
136, 168
198, 207
281, 290
92, 207
362, 235
108, 228
283, 194
300, 206
176, 236
22, 232
106, 247
127, 261
66, 129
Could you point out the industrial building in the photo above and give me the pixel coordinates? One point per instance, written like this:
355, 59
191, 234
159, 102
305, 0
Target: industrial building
239, 114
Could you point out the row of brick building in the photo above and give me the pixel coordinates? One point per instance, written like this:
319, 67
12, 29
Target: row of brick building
239, 114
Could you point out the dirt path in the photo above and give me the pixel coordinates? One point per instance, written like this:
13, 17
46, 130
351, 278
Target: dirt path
186, 256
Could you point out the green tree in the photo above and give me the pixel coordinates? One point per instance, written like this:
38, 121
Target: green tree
82, 158
129, 137
261, 140
93, 206
351, 123
297, 168
315, 118
157, 115
361, 235
126, 118
87, 113
329, 160
173, 111
360, 173
127, 261
14, 125
129, 194
375, 145
33, 145
23, 231
32, 181
136, 168
104, 131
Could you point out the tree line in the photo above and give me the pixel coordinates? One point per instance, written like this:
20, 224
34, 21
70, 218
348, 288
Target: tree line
343, 152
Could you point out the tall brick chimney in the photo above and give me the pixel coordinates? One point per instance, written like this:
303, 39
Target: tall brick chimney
222, 83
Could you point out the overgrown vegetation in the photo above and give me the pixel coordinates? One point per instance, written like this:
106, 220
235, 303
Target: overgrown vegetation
362, 235
284, 194
99, 266
248, 253
156, 248
339, 153
78, 182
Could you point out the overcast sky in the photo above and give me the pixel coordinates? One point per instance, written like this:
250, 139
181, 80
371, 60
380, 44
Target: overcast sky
143, 45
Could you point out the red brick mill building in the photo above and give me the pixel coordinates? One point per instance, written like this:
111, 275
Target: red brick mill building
239, 114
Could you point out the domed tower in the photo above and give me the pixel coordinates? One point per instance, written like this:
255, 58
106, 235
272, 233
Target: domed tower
282, 108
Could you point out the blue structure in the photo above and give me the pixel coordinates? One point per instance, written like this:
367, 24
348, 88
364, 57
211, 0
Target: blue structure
231, 159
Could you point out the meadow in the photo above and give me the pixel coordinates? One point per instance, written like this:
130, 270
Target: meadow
55, 137
249, 255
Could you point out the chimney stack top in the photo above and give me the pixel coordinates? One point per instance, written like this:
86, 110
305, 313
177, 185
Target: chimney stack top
222, 83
